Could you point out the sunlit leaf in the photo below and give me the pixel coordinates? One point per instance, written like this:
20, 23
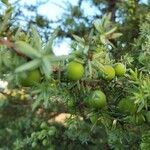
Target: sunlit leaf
48, 48
116, 35
36, 40
111, 31
97, 25
77, 38
6, 2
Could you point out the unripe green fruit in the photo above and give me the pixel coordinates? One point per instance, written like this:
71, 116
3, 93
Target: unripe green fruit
43, 125
33, 135
45, 142
40, 137
52, 131
34, 144
42, 134
148, 116
97, 99
75, 71
127, 106
108, 72
120, 69
30, 77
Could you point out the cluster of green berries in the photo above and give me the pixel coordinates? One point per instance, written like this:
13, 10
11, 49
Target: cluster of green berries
43, 137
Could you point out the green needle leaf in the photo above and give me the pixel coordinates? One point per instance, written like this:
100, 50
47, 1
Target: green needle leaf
28, 66
36, 40
46, 66
57, 58
48, 48
27, 50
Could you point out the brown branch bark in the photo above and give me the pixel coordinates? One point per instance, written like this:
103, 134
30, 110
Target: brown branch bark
112, 9
6, 43
11, 45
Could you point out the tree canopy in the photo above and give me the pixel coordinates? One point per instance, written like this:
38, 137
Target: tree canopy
96, 97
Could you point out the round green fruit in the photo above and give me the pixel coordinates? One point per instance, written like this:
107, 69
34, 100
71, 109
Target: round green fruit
127, 106
108, 72
33, 135
34, 145
42, 134
30, 77
97, 99
45, 142
52, 131
120, 69
43, 125
148, 116
75, 71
